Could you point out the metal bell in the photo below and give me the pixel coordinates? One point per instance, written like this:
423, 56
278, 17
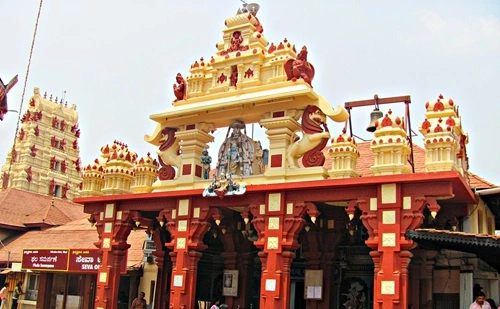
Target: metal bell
253, 8
374, 116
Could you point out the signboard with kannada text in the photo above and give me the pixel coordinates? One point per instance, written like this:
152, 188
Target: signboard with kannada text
45, 259
84, 260
68, 260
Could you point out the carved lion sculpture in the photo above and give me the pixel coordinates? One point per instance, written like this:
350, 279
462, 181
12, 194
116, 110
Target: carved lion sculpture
169, 152
313, 141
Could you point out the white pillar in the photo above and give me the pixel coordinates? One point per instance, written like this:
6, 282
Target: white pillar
465, 289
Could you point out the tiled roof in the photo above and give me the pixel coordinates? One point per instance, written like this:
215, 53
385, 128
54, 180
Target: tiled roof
486, 247
76, 235
477, 182
20, 209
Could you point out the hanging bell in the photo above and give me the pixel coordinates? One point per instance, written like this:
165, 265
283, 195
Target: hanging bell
374, 116
253, 8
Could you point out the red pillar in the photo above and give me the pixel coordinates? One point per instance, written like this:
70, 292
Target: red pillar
113, 227
187, 223
277, 224
387, 217
245, 267
164, 268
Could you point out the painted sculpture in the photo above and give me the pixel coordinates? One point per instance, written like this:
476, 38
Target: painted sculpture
180, 88
240, 156
224, 185
168, 154
4, 89
237, 153
313, 141
234, 76
300, 68
206, 160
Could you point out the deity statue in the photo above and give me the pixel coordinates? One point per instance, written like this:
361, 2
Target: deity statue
205, 161
237, 153
4, 89
180, 88
236, 41
234, 160
259, 158
299, 67
234, 76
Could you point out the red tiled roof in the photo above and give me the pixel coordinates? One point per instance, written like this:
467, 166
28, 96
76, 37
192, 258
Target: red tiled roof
74, 235
477, 182
20, 209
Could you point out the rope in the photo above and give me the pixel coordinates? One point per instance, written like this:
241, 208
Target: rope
24, 88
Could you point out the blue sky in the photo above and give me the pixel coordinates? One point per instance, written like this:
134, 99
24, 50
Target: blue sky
117, 60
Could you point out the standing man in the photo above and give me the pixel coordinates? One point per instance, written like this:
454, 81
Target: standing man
18, 291
479, 303
139, 302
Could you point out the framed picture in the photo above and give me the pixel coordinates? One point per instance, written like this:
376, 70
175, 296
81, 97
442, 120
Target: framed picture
230, 283
313, 285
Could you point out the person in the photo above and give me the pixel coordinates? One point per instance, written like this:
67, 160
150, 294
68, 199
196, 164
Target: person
18, 291
139, 302
492, 303
479, 302
3, 295
216, 304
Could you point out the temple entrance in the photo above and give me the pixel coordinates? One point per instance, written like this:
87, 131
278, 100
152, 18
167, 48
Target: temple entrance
297, 300
229, 269
297, 286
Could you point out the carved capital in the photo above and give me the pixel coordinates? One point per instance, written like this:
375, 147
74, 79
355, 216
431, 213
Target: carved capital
251, 212
139, 220
217, 215
433, 206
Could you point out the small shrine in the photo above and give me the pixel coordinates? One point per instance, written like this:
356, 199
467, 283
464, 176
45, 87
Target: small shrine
390, 146
119, 170
344, 155
444, 138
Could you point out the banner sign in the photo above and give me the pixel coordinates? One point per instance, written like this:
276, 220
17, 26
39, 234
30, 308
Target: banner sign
45, 259
69, 260
84, 260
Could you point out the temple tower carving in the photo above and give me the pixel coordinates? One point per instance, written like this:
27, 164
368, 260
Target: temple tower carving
45, 158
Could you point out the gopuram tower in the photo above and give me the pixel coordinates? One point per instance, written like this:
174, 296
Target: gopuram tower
45, 157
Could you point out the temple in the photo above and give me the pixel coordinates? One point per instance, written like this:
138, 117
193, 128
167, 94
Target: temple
307, 217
